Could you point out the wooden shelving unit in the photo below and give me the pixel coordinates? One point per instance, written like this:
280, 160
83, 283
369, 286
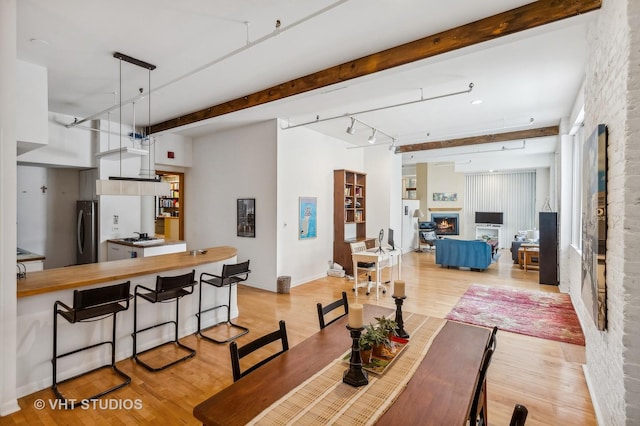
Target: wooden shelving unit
349, 211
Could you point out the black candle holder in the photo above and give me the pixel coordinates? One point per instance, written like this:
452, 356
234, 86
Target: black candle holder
400, 330
355, 375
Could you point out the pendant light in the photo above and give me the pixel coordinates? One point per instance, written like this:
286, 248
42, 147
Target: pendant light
120, 185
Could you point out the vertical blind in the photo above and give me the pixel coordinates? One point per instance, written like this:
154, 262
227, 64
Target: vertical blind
513, 194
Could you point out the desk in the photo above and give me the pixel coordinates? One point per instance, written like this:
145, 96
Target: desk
439, 393
376, 257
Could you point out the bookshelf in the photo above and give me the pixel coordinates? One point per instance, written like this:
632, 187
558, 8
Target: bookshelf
349, 214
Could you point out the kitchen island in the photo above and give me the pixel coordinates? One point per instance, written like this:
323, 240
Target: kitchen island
40, 290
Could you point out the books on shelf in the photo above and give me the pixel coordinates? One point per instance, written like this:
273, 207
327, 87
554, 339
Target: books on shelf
347, 191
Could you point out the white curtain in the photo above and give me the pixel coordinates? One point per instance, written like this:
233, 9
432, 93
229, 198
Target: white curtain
513, 194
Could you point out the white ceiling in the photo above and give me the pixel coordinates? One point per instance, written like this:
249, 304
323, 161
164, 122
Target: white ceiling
211, 51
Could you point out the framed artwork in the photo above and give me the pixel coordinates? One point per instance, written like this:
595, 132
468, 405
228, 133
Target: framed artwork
246, 217
307, 218
594, 225
445, 196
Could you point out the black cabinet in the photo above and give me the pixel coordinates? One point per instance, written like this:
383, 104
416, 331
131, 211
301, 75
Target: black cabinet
548, 222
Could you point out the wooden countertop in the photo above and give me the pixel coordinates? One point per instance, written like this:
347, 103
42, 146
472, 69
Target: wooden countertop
71, 277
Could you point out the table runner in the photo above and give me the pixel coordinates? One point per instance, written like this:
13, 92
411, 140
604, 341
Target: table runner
325, 399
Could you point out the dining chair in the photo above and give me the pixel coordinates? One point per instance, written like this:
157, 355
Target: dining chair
478, 413
367, 267
519, 416
167, 290
91, 305
237, 353
324, 310
231, 275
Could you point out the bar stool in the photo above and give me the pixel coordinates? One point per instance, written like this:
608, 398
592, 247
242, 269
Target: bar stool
91, 305
231, 275
168, 289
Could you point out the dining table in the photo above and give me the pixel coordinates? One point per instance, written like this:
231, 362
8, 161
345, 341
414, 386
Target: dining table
439, 390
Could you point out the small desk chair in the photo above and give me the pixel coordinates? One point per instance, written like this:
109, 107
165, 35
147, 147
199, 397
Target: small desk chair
168, 289
367, 267
91, 305
238, 353
322, 311
478, 413
231, 275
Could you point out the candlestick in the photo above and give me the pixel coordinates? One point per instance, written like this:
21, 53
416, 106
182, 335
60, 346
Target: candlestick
355, 375
399, 320
356, 316
398, 288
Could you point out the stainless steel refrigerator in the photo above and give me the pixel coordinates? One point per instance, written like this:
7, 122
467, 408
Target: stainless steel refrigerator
86, 232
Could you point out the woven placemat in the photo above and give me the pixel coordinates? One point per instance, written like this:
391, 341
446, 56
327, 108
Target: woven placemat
325, 399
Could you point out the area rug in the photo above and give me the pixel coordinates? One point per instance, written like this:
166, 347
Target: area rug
533, 313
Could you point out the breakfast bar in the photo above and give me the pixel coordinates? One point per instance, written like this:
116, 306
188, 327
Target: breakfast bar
38, 292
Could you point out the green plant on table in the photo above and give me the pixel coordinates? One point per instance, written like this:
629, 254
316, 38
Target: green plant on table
387, 326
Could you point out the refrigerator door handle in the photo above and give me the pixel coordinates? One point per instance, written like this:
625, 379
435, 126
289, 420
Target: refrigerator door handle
79, 233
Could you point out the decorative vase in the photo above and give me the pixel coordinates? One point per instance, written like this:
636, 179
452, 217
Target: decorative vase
365, 354
377, 350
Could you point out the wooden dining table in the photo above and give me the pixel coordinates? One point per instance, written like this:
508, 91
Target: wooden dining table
440, 391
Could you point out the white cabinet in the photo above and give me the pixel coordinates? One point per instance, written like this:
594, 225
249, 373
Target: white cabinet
493, 232
33, 265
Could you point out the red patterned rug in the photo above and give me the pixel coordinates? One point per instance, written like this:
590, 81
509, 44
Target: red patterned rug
534, 313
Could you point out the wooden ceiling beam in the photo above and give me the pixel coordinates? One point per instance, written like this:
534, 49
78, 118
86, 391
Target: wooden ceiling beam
477, 140
529, 16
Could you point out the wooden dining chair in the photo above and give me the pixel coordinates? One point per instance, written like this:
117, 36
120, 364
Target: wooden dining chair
519, 416
478, 413
322, 311
238, 353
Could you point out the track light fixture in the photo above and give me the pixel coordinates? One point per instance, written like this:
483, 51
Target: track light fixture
372, 138
351, 130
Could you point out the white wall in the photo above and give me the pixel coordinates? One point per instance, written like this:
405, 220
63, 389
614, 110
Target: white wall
306, 161
239, 163
46, 220
31, 106
74, 147
611, 89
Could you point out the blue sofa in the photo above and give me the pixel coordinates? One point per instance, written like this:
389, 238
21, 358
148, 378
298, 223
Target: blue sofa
473, 254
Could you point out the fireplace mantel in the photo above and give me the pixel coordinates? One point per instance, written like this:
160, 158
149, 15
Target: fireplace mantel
444, 209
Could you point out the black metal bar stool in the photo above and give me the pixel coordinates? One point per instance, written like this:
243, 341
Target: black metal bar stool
91, 305
168, 289
231, 275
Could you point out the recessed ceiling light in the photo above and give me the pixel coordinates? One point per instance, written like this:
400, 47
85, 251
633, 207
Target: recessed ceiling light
476, 102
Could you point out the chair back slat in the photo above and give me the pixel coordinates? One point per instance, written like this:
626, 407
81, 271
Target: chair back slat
239, 353
172, 283
324, 310
235, 269
84, 299
519, 416
484, 367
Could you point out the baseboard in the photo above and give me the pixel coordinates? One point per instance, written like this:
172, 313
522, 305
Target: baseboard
9, 407
594, 401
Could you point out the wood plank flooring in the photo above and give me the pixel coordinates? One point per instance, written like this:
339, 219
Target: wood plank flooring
544, 375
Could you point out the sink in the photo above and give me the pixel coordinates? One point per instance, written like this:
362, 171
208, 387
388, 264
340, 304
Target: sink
20, 252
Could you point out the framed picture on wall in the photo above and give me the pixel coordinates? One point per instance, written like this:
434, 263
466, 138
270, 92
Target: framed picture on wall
307, 218
246, 217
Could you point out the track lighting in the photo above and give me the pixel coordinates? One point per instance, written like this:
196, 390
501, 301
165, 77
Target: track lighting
351, 130
372, 138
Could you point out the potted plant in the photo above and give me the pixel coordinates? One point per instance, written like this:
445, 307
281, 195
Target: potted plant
379, 339
366, 343
388, 326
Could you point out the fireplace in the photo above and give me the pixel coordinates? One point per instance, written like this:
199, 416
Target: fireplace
446, 223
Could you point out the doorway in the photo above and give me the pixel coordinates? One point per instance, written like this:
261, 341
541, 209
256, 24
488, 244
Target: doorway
169, 210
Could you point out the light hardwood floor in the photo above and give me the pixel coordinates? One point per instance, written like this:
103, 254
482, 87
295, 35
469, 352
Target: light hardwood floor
544, 375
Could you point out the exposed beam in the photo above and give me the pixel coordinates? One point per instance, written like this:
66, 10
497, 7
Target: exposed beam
529, 16
478, 140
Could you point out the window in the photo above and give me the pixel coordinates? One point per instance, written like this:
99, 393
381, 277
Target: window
576, 196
